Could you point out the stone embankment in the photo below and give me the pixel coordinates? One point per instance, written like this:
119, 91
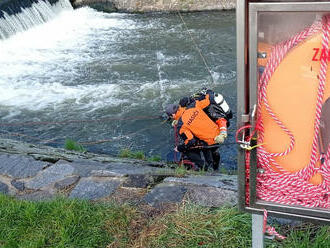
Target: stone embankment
157, 5
32, 172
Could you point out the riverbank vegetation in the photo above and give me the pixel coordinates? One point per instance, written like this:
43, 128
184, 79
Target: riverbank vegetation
127, 153
77, 223
72, 145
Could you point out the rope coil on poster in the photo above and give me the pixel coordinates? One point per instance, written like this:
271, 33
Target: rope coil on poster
273, 182
279, 185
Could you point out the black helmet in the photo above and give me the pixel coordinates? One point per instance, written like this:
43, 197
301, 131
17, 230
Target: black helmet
171, 109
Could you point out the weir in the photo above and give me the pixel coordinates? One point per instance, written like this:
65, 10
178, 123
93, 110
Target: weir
20, 15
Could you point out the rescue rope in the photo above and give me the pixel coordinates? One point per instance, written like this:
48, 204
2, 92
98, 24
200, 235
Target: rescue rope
281, 186
269, 230
278, 185
37, 123
51, 141
244, 142
197, 48
176, 139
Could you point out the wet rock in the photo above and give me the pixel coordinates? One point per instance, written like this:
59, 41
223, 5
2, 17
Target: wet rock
45, 158
106, 173
95, 188
283, 221
4, 189
224, 181
82, 168
87, 168
142, 181
18, 184
50, 175
165, 193
17, 166
211, 197
66, 182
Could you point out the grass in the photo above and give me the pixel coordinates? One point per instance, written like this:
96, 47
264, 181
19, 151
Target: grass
76, 223
181, 171
61, 223
307, 236
127, 153
193, 226
72, 145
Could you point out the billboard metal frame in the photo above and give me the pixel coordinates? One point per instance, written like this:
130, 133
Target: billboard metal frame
247, 23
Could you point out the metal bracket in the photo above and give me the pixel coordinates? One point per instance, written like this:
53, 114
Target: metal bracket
245, 118
262, 55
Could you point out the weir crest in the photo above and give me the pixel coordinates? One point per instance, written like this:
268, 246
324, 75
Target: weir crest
20, 15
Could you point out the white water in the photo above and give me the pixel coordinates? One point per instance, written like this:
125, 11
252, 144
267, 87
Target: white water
31, 62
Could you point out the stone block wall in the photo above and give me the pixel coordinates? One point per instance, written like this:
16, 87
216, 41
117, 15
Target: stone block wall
163, 5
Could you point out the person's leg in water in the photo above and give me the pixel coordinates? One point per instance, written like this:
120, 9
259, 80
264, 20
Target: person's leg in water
194, 155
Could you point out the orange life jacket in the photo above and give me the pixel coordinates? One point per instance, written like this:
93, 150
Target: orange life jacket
194, 122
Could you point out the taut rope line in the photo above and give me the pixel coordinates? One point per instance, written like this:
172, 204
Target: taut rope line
77, 121
197, 48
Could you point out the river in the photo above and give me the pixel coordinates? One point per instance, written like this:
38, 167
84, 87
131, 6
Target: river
91, 76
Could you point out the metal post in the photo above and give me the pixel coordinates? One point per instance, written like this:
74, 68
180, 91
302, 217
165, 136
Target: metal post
257, 231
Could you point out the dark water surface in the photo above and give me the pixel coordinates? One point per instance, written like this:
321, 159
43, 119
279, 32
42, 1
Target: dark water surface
88, 65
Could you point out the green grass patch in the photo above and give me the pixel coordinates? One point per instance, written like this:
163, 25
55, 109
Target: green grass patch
155, 158
181, 171
72, 145
127, 153
306, 236
67, 223
61, 223
193, 226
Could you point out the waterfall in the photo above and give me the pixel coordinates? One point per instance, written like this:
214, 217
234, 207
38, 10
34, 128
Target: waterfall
20, 15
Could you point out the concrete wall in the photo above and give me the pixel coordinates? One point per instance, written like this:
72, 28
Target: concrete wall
162, 5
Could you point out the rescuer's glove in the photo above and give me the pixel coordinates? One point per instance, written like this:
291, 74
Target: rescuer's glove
174, 123
221, 137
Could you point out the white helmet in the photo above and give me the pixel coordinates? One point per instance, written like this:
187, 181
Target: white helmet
222, 102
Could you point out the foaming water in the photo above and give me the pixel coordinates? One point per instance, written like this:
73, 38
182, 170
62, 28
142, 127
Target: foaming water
89, 65
38, 67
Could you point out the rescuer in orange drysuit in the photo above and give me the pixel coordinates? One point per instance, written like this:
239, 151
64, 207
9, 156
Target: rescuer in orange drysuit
197, 130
